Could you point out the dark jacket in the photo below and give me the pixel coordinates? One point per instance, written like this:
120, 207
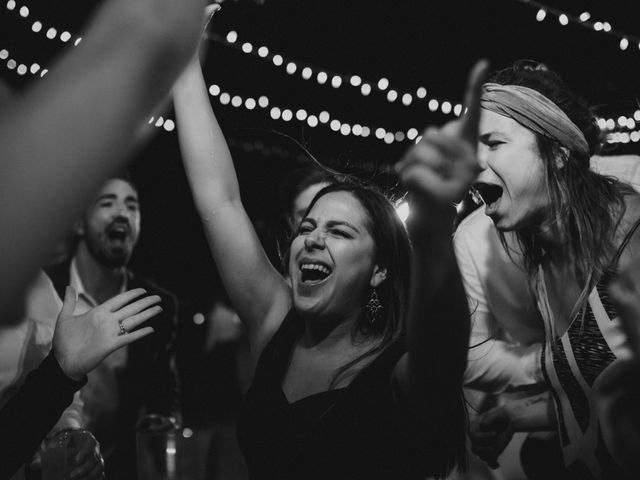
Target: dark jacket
149, 381
29, 415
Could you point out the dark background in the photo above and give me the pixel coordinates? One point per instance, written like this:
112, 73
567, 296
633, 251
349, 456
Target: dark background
412, 43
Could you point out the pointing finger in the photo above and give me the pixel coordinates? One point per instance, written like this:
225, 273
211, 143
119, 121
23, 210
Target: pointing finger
472, 96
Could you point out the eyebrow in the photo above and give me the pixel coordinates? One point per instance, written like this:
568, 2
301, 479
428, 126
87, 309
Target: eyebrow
113, 196
485, 136
342, 223
332, 223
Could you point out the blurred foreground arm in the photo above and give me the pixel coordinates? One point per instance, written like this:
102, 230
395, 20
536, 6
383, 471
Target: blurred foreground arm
76, 125
438, 171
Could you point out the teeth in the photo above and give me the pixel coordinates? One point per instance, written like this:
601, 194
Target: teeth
315, 266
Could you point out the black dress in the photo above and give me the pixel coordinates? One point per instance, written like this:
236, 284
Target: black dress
363, 431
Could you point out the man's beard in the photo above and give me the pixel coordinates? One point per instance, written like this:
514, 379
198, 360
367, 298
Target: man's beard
106, 255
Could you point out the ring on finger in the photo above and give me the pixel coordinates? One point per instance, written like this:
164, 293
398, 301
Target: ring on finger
123, 331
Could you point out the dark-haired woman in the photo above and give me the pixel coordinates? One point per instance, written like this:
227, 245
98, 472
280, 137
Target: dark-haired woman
353, 379
574, 229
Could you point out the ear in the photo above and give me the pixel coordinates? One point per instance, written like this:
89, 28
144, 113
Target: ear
78, 228
561, 159
378, 276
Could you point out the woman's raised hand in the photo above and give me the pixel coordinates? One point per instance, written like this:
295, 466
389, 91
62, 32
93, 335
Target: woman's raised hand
443, 164
81, 342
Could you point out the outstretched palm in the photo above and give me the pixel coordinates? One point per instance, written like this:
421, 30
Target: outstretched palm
80, 342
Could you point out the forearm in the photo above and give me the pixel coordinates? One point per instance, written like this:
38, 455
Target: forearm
532, 414
438, 317
495, 365
204, 149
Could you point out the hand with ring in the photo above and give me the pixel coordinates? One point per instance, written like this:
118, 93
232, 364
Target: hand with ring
81, 342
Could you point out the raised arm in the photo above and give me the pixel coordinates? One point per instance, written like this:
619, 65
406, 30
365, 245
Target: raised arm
258, 292
437, 171
76, 125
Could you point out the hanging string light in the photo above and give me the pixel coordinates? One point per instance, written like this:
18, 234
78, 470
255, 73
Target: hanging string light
583, 20
324, 76
37, 26
619, 130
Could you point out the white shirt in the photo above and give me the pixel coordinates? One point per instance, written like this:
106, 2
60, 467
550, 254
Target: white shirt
24, 345
100, 395
506, 332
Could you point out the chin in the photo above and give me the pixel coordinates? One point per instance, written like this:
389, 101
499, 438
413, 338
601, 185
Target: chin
502, 225
305, 305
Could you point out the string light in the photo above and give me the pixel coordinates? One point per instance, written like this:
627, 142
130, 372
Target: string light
584, 20
314, 120
37, 26
383, 84
322, 76
356, 81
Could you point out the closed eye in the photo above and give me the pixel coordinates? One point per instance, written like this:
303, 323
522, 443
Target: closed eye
341, 233
305, 229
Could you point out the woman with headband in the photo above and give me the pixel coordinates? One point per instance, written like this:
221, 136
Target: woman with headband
573, 229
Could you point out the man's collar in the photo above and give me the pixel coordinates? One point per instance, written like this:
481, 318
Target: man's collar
76, 282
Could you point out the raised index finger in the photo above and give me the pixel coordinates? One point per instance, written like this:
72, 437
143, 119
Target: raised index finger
472, 96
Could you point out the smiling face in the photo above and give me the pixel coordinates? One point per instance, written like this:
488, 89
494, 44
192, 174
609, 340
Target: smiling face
111, 225
332, 262
512, 183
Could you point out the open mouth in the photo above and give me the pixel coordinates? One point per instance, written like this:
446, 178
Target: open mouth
314, 272
488, 193
118, 233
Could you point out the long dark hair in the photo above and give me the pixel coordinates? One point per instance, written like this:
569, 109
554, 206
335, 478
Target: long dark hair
585, 207
393, 252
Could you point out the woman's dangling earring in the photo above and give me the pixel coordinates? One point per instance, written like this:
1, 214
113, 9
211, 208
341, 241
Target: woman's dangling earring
374, 308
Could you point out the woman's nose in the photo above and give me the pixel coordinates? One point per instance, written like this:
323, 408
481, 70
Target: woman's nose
482, 157
314, 240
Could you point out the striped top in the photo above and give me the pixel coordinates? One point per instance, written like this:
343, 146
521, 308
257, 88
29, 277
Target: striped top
572, 362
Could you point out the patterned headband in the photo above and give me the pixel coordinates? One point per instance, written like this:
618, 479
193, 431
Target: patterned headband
536, 112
